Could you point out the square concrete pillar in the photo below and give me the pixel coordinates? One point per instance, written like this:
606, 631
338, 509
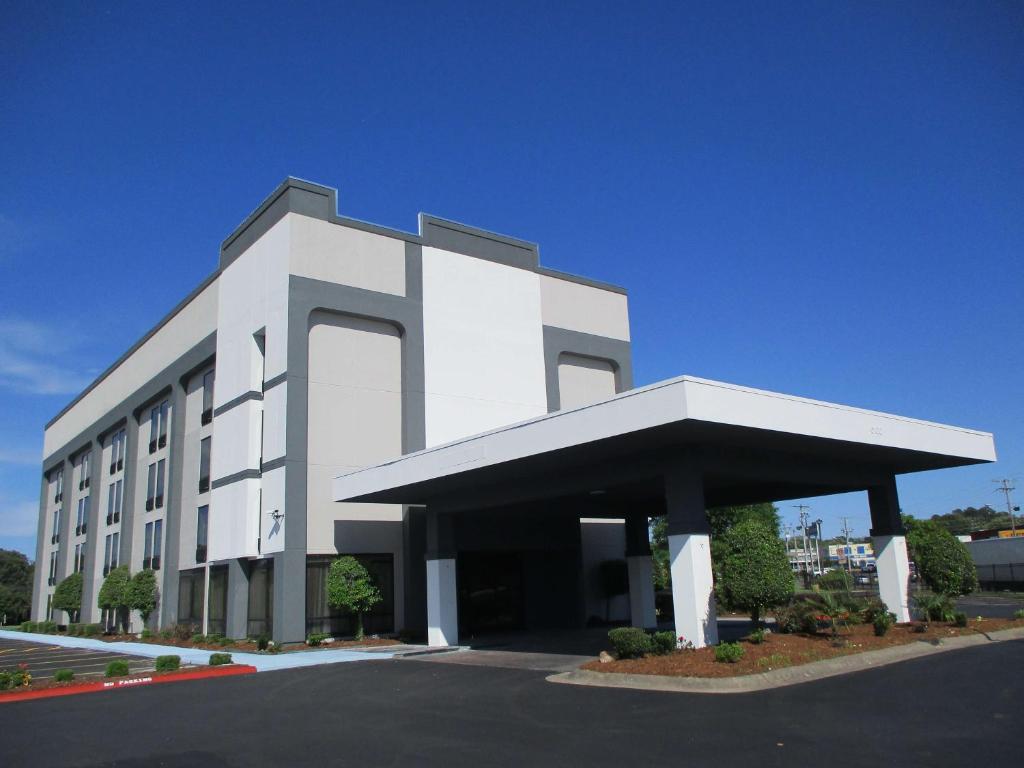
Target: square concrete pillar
890, 546
442, 594
237, 619
893, 574
442, 603
689, 545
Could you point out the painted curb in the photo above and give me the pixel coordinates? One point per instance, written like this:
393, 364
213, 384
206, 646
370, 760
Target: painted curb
120, 685
779, 678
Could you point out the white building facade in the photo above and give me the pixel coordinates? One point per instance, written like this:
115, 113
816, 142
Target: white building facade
319, 346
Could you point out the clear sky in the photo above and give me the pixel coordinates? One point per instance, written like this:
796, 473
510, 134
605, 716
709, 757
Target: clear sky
825, 199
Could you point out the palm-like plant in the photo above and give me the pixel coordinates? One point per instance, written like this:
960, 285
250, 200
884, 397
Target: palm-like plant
832, 609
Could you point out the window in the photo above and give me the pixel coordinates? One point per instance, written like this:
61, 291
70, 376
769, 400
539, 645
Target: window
53, 569
111, 555
153, 541
111, 492
55, 533
49, 607
202, 521
79, 558
320, 617
208, 398
160, 483
204, 465
58, 494
83, 472
150, 487
158, 426
82, 518
117, 446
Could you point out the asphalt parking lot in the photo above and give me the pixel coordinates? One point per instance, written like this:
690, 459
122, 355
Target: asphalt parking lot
44, 660
957, 708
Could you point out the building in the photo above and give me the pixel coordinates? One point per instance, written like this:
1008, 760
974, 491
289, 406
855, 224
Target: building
858, 555
449, 411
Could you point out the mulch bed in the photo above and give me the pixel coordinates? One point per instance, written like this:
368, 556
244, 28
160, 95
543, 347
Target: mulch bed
780, 650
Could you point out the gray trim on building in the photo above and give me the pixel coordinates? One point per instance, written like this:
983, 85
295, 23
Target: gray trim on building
168, 609
245, 397
269, 384
470, 241
235, 477
41, 571
559, 341
270, 466
86, 614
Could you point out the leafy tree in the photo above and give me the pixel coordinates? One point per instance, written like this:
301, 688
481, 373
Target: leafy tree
143, 594
68, 596
114, 594
942, 560
721, 520
350, 588
960, 522
15, 586
752, 569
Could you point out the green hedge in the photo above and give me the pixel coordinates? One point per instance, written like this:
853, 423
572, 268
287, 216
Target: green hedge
728, 653
168, 663
117, 668
630, 642
64, 675
219, 658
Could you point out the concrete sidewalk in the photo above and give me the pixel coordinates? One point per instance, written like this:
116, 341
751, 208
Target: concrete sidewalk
262, 662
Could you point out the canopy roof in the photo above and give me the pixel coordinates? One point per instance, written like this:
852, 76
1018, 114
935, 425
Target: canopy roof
752, 445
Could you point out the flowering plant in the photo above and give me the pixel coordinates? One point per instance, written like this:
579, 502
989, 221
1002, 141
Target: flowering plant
683, 644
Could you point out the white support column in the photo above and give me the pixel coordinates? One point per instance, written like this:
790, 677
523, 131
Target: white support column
641, 591
693, 592
442, 603
893, 574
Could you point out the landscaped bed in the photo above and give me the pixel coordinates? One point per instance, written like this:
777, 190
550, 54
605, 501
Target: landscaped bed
787, 650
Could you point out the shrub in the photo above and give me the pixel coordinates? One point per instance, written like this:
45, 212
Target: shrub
663, 643
6, 681
64, 675
68, 595
222, 640
728, 653
47, 627
872, 609
758, 636
350, 588
181, 632
1019, 614
142, 594
73, 629
198, 638
316, 639
262, 642
27, 626
960, 619
835, 580
167, 663
882, 622
91, 630
117, 668
798, 616
146, 634
935, 607
219, 658
942, 560
630, 642
920, 628
753, 570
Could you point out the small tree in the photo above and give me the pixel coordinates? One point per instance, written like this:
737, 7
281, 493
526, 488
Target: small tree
143, 594
942, 560
68, 596
752, 570
350, 588
114, 592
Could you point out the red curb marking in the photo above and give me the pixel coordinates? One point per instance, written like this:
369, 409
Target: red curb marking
113, 685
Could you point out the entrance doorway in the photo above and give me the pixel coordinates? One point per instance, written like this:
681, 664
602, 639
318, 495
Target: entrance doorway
490, 587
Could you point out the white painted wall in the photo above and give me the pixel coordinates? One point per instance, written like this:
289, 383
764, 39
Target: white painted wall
323, 250
583, 308
483, 345
354, 421
584, 380
182, 332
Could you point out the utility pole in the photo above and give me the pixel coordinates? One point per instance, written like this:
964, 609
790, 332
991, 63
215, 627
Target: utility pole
804, 517
1005, 487
846, 533
817, 542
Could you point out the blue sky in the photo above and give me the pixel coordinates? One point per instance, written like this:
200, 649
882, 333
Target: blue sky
825, 199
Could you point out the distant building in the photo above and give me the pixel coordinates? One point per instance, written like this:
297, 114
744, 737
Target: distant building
858, 555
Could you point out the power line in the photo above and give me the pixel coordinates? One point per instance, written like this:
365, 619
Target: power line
1005, 487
